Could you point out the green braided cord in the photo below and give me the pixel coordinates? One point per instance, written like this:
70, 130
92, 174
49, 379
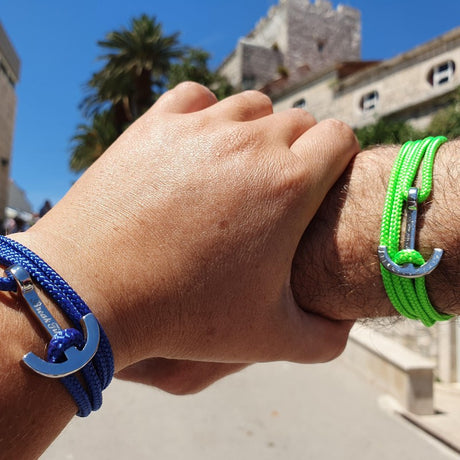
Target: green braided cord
408, 296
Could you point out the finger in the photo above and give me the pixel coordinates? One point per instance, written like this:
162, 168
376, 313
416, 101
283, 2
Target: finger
310, 338
179, 377
186, 97
245, 106
325, 150
286, 126
322, 339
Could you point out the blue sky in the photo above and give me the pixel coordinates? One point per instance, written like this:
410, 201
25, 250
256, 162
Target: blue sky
56, 42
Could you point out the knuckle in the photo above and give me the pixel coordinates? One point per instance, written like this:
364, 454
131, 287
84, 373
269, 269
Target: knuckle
256, 98
335, 125
190, 86
177, 93
341, 130
303, 116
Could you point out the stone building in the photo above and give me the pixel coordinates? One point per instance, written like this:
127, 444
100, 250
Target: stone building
9, 75
296, 37
411, 86
307, 55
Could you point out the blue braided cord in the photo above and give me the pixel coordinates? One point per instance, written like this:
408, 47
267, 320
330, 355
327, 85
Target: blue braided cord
8, 284
99, 372
61, 341
69, 301
95, 389
79, 395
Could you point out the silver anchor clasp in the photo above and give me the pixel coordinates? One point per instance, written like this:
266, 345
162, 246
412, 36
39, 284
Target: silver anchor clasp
76, 359
409, 270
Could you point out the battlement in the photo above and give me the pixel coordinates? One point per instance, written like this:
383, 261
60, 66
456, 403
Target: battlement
294, 34
318, 6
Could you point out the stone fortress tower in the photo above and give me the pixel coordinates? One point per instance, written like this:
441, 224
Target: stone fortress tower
297, 37
9, 75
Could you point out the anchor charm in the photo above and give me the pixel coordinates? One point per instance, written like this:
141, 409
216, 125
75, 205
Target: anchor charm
409, 270
76, 359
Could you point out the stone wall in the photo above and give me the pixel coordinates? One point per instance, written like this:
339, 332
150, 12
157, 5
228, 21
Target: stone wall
272, 29
295, 33
9, 74
402, 83
437, 343
320, 36
404, 87
317, 93
231, 67
7, 116
259, 64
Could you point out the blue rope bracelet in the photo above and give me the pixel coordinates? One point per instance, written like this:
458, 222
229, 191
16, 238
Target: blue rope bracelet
68, 352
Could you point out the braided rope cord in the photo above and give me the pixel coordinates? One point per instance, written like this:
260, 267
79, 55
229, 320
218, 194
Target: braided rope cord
98, 373
408, 296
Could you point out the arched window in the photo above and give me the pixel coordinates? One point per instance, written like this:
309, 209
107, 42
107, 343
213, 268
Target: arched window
248, 82
300, 104
320, 44
369, 101
441, 74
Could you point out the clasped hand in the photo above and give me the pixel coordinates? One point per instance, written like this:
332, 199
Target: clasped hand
186, 229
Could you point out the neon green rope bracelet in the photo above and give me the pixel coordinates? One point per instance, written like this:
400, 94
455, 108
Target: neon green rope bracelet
404, 270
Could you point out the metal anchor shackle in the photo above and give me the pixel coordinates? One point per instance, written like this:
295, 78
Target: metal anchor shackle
76, 359
408, 270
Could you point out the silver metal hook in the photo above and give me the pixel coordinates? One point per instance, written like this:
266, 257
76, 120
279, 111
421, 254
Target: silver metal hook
409, 270
76, 359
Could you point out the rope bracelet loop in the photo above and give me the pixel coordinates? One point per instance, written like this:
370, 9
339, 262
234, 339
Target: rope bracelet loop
404, 270
84, 348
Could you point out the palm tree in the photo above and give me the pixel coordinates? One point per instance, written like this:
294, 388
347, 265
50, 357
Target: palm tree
139, 62
137, 59
110, 94
135, 69
91, 141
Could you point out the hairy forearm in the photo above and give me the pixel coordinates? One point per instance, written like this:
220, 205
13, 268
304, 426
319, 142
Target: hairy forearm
336, 270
